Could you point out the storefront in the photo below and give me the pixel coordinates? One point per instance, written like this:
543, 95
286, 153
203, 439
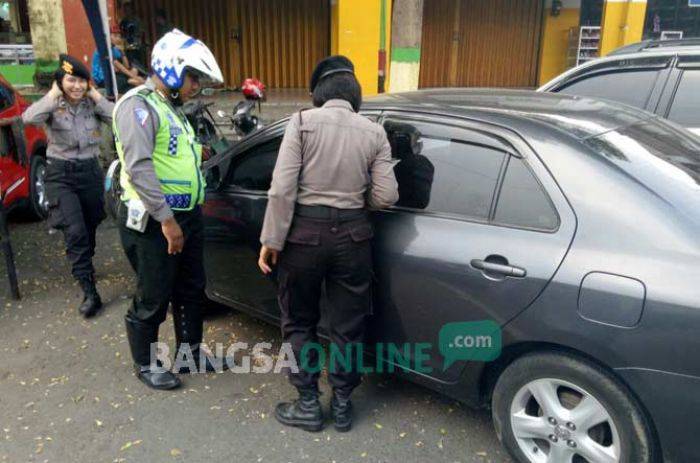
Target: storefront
278, 41
672, 19
473, 43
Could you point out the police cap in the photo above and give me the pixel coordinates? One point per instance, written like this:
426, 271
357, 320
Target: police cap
329, 66
72, 66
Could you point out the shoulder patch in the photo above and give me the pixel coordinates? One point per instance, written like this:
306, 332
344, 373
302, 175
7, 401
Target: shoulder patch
141, 116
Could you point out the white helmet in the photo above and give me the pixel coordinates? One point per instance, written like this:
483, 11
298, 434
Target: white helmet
177, 51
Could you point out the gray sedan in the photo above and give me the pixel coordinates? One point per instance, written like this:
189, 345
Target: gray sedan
571, 224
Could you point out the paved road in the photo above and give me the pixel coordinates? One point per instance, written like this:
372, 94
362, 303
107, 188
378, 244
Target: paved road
68, 393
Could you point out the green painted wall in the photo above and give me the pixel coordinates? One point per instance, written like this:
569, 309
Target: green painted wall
406, 55
18, 74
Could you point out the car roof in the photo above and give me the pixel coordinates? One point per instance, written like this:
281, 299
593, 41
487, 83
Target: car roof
658, 46
627, 53
580, 117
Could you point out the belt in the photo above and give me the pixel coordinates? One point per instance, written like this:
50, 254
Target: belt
76, 165
328, 212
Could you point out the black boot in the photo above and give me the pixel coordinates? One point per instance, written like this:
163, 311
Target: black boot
212, 364
188, 333
92, 302
141, 336
341, 411
304, 413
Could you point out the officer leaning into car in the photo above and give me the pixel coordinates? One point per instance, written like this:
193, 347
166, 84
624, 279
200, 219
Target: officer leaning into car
333, 165
160, 220
72, 111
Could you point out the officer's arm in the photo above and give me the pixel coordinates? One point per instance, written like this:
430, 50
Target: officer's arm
138, 124
40, 111
383, 190
282, 195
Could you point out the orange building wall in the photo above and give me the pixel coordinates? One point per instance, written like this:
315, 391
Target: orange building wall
78, 33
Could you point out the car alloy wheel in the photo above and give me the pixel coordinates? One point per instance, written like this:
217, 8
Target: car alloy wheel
555, 421
556, 407
40, 188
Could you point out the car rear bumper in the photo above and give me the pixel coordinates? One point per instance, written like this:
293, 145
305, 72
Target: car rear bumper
673, 402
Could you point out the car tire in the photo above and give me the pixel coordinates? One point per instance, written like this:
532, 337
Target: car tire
577, 394
37, 207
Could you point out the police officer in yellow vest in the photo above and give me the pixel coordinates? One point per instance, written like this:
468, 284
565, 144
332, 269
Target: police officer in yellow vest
160, 219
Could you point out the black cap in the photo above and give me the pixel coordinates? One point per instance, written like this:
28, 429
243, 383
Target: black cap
329, 66
73, 66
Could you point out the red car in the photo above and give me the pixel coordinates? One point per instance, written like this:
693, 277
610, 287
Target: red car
22, 158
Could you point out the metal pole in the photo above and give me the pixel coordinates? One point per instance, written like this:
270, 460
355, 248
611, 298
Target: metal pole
108, 38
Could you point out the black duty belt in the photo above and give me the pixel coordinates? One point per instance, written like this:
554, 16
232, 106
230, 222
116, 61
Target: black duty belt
76, 165
328, 213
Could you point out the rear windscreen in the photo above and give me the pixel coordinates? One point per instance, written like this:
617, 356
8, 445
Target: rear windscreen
653, 151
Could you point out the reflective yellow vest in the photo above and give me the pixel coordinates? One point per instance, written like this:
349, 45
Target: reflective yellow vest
177, 157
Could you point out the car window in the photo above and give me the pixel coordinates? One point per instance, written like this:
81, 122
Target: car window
7, 98
440, 171
685, 108
631, 87
523, 201
253, 168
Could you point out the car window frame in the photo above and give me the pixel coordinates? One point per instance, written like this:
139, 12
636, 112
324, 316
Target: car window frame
679, 68
613, 67
446, 123
548, 197
518, 149
506, 135
269, 133
236, 162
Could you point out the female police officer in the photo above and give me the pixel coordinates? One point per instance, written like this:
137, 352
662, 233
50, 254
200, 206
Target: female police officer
333, 164
72, 111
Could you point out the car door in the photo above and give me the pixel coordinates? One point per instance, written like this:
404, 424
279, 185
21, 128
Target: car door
475, 234
234, 210
634, 81
11, 171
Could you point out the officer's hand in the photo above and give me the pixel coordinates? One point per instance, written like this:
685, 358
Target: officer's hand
94, 94
173, 233
266, 255
55, 91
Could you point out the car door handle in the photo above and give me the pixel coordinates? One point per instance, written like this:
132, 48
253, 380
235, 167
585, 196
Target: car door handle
502, 269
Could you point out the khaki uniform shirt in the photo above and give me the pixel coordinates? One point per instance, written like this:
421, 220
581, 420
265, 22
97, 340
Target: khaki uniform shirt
74, 132
336, 158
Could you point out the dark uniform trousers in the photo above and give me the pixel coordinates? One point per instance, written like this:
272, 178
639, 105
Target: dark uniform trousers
337, 253
75, 191
163, 279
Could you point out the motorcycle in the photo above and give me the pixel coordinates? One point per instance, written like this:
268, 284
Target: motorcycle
215, 145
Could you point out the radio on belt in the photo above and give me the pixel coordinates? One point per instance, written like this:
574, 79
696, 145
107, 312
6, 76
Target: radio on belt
137, 218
